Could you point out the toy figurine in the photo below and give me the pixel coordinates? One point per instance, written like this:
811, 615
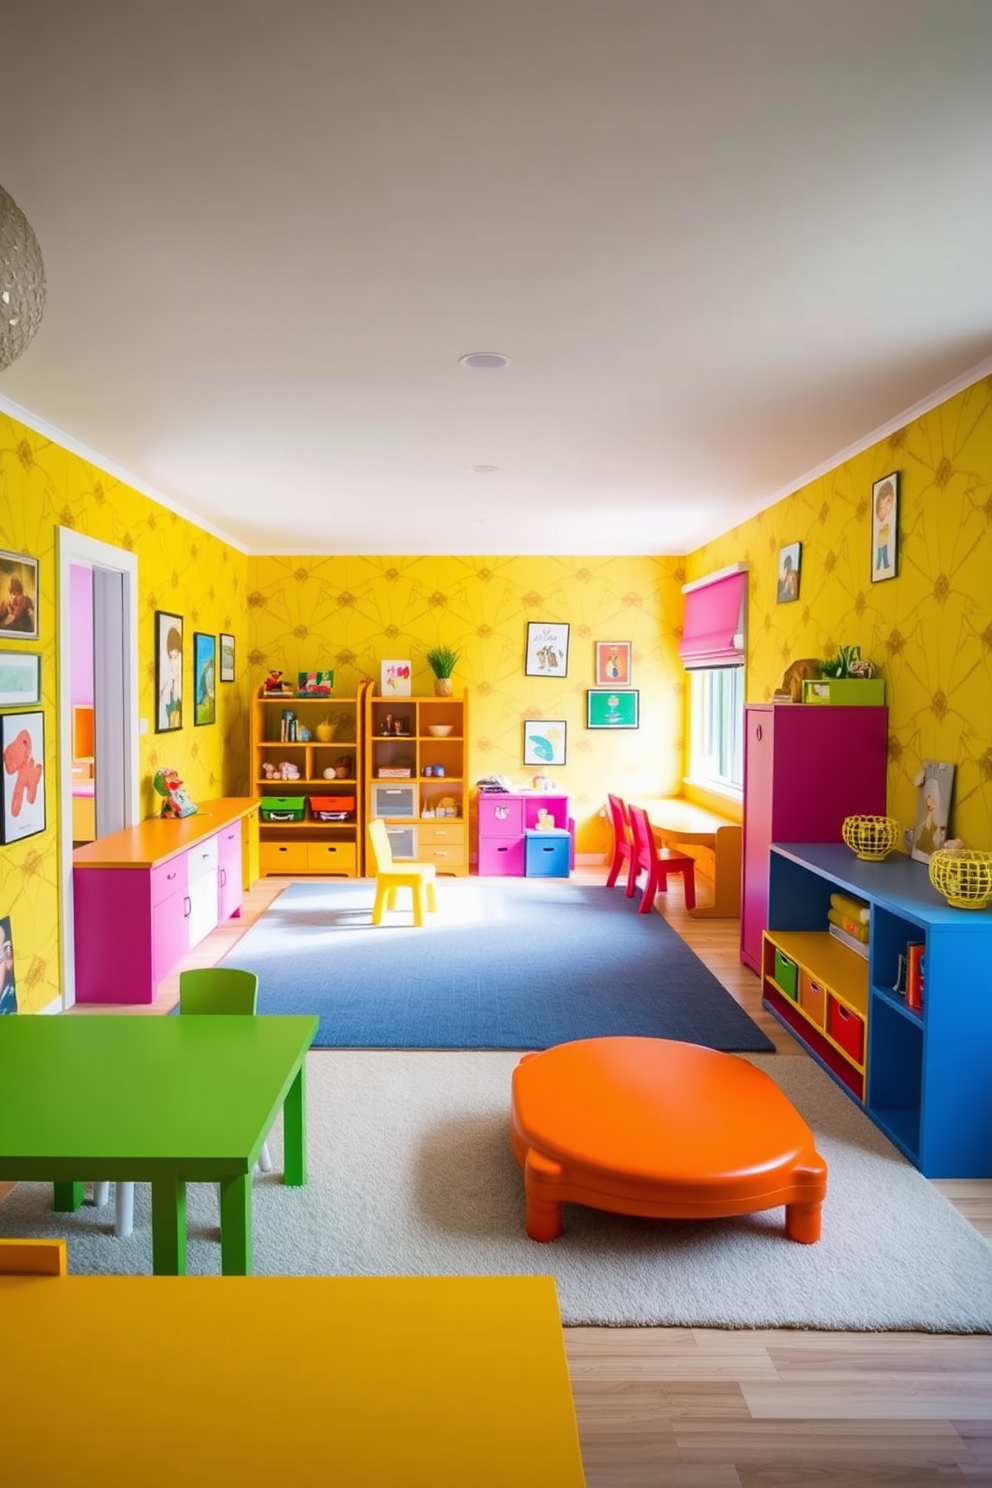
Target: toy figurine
177, 802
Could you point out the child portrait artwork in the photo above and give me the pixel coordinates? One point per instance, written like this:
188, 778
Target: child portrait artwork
933, 810
613, 663
168, 671
18, 596
884, 527
789, 562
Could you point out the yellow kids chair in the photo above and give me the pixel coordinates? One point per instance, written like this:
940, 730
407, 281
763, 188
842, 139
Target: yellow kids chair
210, 989
419, 878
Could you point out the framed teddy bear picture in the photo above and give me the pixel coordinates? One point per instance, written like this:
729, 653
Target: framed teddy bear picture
22, 801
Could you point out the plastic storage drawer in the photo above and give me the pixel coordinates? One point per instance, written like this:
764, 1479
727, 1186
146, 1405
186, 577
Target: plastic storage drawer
282, 808
812, 999
547, 854
786, 975
846, 1029
332, 808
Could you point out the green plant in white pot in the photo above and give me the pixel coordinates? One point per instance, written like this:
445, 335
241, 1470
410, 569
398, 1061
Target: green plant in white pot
442, 662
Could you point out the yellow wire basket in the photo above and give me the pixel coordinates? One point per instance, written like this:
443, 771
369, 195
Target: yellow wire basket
963, 875
870, 837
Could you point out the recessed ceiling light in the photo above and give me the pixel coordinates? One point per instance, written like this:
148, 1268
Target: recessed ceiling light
484, 469
484, 361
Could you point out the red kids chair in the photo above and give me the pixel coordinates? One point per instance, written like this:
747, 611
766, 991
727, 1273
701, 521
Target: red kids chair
623, 848
657, 863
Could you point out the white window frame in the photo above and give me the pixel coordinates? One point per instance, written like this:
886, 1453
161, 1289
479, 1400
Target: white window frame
716, 755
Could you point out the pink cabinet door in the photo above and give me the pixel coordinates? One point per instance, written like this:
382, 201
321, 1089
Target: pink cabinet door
170, 934
229, 871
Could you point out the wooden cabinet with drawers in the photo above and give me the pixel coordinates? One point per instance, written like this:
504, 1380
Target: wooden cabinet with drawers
416, 753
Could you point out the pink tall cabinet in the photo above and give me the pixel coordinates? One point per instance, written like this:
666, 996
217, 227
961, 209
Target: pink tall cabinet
806, 767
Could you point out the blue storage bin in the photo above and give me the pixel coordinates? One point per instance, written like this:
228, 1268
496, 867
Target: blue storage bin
548, 854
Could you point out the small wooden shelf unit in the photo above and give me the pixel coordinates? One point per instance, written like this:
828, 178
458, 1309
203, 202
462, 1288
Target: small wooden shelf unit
425, 815
310, 845
922, 1075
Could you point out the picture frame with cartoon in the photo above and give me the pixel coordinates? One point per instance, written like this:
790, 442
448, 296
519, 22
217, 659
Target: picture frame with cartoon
547, 649
885, 528
204, 678
168, 672
613, 663
22, 799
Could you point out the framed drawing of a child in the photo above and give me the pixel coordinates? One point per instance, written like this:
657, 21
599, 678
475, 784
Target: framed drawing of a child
884, 527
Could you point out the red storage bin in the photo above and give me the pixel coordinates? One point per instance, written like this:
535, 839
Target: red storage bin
332, 808
846, 1029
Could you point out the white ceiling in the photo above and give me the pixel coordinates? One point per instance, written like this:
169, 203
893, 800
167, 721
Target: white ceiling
722, 241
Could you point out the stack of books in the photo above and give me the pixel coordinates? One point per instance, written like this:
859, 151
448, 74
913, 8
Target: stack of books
848, 922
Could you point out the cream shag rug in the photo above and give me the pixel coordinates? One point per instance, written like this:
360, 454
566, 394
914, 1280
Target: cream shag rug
410, 1172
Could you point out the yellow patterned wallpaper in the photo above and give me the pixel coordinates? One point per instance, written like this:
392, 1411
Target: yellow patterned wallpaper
929, 630
180, 568
352, 613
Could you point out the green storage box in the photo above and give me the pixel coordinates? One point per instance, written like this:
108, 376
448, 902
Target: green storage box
787, 975
282, 808
847, 692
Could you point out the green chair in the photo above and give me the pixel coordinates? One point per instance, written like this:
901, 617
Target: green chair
210, 989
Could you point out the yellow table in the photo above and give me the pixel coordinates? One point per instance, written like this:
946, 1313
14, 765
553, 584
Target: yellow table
355, 1382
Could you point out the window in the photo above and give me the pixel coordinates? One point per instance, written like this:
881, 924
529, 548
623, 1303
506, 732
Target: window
716, 728
712, 649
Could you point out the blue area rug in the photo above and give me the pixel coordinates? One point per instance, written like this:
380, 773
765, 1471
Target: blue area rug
504, 964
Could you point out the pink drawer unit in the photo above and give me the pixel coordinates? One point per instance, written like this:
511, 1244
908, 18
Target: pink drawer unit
168, 878
500, 816
499, 858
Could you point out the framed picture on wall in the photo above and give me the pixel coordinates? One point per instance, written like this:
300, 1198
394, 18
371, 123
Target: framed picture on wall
204, 678
612, 708
226, 657
544, 741
884, 527
547, 650
933, 809
168, 672
789, 563
613, 663
18, 596
22, 803
8, 986
20, 679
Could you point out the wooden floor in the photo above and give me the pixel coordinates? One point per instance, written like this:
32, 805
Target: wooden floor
710, 1408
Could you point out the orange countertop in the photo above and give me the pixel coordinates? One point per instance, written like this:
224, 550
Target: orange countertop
159, 838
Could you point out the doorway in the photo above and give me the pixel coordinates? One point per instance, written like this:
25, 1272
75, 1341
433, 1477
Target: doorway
114, 710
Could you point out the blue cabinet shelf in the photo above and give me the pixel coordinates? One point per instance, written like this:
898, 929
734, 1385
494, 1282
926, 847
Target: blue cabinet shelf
923, 1076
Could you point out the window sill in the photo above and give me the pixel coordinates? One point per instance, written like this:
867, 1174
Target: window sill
716, 788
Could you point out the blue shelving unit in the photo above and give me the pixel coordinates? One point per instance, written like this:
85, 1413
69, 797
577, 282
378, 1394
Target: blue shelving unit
926, 1078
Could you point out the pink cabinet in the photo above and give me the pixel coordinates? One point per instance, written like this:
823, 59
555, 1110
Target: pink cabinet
504, 818
806, 767
229, 871
144, 897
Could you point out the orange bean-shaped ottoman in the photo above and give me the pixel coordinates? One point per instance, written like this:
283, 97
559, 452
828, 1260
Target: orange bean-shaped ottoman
663, 1129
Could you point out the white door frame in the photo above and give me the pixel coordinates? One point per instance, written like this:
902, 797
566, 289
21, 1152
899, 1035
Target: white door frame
88, 552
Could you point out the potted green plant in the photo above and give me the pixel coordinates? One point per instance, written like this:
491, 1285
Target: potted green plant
442, 661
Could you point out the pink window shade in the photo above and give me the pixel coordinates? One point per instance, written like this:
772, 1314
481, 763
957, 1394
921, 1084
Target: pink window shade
713, 628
